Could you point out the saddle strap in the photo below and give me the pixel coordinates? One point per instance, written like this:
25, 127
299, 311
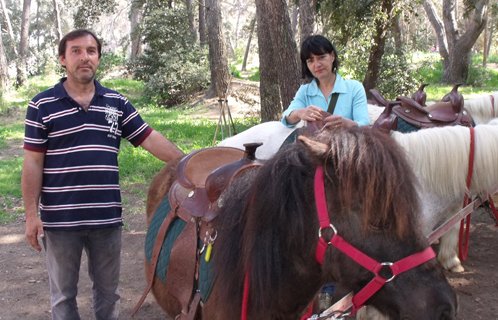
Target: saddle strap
161, 234
194, 306
182, 266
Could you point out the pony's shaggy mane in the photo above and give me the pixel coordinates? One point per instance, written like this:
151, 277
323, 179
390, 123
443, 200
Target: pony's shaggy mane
440, 158
274, 212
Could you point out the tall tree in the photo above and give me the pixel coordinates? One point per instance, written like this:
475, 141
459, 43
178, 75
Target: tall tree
4, 72
218, 61
384, 22
284, 46
23, 46
248, 47
8, 25
307, 11
191, 23
57, 17
202, 22
455, 44
135, 30
269, 90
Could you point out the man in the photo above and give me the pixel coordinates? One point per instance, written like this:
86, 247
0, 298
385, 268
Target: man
70, 173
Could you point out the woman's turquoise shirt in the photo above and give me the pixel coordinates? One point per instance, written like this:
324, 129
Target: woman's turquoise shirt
351, 103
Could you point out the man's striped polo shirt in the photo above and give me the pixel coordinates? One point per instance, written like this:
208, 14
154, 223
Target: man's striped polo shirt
80, 187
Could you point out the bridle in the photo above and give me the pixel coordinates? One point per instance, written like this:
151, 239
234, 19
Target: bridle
337, 241
364, 260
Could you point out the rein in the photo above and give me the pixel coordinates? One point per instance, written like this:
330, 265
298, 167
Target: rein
463, 248
370, 264
492, 103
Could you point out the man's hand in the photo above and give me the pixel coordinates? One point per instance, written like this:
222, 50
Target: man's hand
34, 229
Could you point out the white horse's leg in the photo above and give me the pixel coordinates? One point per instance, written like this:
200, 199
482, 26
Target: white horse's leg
448, 250
370, 313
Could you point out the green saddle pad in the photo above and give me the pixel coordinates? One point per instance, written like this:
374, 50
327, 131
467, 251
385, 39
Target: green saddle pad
174, 230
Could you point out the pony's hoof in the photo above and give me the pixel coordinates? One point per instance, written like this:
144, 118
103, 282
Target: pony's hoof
453, 265
457, 269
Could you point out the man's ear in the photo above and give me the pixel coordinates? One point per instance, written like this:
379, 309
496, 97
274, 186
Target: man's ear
62, 60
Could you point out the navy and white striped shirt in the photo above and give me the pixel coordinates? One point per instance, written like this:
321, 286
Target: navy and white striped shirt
80, 187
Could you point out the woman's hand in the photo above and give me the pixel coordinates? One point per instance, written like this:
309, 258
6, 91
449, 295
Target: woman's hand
338, 122
311, 113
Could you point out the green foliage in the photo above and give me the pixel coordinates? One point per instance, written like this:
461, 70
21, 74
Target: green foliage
173, 67
431, 69
108, 62
395, 77
478, 76
89, 12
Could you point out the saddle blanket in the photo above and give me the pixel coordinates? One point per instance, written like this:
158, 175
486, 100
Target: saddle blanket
174, 230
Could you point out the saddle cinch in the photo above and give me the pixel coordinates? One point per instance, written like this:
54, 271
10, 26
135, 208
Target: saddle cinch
194, 197
448, 112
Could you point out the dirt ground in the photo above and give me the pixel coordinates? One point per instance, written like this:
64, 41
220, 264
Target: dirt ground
24, 287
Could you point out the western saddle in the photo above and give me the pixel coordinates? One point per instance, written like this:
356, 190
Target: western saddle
195, 197
449, 111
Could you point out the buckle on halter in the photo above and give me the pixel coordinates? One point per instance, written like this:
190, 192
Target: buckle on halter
390, 276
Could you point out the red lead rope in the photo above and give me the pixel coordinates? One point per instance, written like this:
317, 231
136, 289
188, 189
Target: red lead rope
372, 265
463, 248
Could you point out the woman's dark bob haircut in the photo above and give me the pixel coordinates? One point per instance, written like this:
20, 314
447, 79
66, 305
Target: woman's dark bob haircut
316, 45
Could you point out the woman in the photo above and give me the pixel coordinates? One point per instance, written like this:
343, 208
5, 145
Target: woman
319, 61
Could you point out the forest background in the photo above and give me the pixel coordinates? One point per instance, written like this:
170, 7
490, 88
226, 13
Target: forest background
169, 56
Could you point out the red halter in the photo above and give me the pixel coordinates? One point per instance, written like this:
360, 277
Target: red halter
372, 265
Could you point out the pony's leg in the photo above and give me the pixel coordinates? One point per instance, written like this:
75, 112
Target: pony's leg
370, 313
448, 250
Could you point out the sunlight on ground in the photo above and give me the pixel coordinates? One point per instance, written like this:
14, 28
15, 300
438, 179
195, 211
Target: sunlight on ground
11, 238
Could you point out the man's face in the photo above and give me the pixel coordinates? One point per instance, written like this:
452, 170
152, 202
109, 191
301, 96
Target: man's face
81, 59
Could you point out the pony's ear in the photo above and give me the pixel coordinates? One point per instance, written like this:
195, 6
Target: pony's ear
316, 148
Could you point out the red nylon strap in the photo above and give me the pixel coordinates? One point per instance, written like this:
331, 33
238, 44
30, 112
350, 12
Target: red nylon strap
463, 248
355, 254
245, 298
320, 199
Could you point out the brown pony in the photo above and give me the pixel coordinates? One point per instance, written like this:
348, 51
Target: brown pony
268, 226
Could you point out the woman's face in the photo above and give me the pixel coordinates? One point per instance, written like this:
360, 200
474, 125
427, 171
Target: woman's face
321, 65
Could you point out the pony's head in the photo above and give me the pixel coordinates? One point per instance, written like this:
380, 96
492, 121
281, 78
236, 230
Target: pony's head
269, 228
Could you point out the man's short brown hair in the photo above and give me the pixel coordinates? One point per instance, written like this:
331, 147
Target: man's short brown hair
78, 34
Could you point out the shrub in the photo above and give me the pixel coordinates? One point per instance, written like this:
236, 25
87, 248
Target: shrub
174, 66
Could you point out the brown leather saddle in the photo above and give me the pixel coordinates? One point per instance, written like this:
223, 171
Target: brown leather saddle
448, 112
195, 197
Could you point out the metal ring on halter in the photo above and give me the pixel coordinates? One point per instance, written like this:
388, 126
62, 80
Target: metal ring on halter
331, 226
211, 239
388, 264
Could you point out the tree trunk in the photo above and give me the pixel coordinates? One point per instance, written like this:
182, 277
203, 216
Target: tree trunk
23, 47
58, 29
9, 26
307, 10
485, 41
382, 26
455, 45
285, 49
4, 71
491, 29
218, 61
191, 22
271, 108
398, 43
202, 22
135, 30
295, 13
248, 47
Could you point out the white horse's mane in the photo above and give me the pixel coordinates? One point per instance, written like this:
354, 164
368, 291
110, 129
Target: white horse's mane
440, 158
481, 109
